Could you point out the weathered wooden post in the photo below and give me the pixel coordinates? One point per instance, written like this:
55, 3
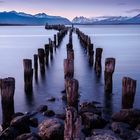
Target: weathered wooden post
72, 87
91, 58
41, 55
55, 40
28, 75
128, 92
68, 68
36, 66
70, 54
7, 87
73, 122
47, 53
98, 66
109, 70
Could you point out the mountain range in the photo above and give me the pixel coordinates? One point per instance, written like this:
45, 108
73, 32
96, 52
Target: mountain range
20, 18
107, 20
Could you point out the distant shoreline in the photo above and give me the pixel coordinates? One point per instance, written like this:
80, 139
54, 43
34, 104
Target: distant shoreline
69, 24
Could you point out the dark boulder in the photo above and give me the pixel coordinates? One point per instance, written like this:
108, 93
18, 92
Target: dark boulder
28, 136
42, 108
49, 113
51, 129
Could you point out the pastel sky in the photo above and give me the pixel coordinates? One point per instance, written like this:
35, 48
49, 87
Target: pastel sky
72, 8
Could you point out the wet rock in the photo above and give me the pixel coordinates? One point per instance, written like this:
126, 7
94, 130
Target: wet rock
42, 108
130, 116
33, 122
51, 129
28, 136
52, 99
64, 98
9, 134
100, 134
138, 128
49, 113
122, 129
61, 116
17, 114
92, 120
63, 91
89, 107
21, 123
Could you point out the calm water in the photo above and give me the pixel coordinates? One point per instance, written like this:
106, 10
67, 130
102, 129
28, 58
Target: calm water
121, 42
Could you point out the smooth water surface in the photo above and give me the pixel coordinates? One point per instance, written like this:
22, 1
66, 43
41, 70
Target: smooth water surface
121, 42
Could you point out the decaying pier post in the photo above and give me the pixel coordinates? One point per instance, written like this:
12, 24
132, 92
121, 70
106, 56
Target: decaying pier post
128, 92
28, 75
36, 63
98, 66
108, 73
47, 53
72, 86
7, 87
41, 55
73, 122
68, 68
55, 40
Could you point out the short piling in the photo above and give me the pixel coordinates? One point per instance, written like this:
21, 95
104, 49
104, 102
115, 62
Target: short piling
128, 92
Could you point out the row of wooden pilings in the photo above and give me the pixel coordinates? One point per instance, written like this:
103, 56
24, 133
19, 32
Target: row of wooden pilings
128, 84
73, 121
7, 85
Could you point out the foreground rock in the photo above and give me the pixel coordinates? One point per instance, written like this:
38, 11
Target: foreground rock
99, 134
28, 136
51, 129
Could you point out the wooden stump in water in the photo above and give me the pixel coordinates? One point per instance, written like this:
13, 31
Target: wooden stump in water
72, 94
70, 54
128, 92
91, 58
41, 55
47, 53
36, 63
55, 42
28, 75
73, 122
7, 100
98, 66
68, 68
109, 70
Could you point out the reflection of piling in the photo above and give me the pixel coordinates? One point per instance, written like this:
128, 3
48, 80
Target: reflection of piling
28, 75
128, 92
7, 86
109, 70
72, 86
73, 122
41, 55
98, 66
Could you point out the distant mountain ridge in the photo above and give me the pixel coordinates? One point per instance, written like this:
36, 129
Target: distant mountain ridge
20, 18
107, 20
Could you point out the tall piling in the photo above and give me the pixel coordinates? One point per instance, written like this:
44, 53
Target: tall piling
7, 87
108, 73
28, 75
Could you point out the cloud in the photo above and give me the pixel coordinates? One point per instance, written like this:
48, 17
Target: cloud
133, 11
121, 4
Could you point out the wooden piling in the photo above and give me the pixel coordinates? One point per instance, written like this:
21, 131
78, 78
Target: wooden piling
128, 92
47, 53
28, 75
36, 63
55, 40
68, 68
70, 54
109, 70
7, 87
41, 55
72, 94
98, 66
73, 123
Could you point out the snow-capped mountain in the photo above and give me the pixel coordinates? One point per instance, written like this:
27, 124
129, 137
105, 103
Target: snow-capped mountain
107, 20
20, 18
